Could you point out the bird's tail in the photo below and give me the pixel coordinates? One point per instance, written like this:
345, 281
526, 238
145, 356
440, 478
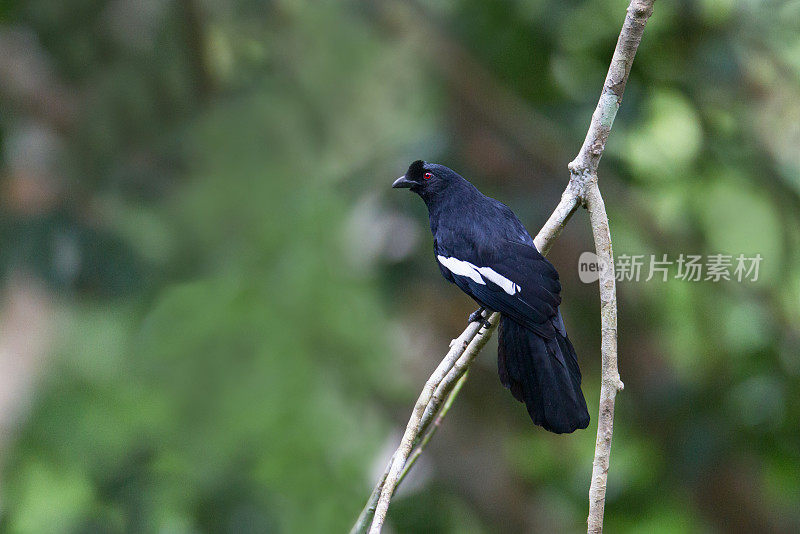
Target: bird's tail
544, 374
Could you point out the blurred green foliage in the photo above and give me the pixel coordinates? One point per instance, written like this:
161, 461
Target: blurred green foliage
243, 310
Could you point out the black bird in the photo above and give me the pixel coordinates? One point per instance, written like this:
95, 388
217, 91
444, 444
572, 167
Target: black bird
483, 248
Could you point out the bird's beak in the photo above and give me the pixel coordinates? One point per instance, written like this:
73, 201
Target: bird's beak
402, 182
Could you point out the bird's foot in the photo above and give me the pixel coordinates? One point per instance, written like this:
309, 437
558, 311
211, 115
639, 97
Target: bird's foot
477, 316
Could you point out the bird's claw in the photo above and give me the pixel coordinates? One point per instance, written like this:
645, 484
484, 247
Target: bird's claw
477, 316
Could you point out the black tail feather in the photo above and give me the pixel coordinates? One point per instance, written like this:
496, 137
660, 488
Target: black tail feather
544, 374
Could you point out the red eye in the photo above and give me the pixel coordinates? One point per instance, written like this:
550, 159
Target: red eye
428, 176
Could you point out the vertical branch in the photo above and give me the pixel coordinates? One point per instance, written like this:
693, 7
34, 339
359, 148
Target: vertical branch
583, 174
610, 381
603, 117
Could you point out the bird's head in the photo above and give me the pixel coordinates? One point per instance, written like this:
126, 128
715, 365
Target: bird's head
428, 180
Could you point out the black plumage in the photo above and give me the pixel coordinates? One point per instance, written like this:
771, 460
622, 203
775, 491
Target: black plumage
483, 248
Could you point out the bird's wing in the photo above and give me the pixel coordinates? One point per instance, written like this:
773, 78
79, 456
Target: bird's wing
509, 277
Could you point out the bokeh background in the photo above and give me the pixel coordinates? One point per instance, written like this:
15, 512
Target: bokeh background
216, 314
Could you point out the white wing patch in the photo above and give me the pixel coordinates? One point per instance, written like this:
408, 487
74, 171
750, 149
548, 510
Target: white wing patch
508, 286
465, 268
462, 268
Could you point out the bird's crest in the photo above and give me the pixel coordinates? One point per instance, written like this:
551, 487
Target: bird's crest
416, 169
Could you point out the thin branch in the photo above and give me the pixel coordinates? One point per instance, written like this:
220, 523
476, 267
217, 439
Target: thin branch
461, 348
610, 381
611, 97
583, 171
365, 517
434, 426
471, 341
558, 220
448, 377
